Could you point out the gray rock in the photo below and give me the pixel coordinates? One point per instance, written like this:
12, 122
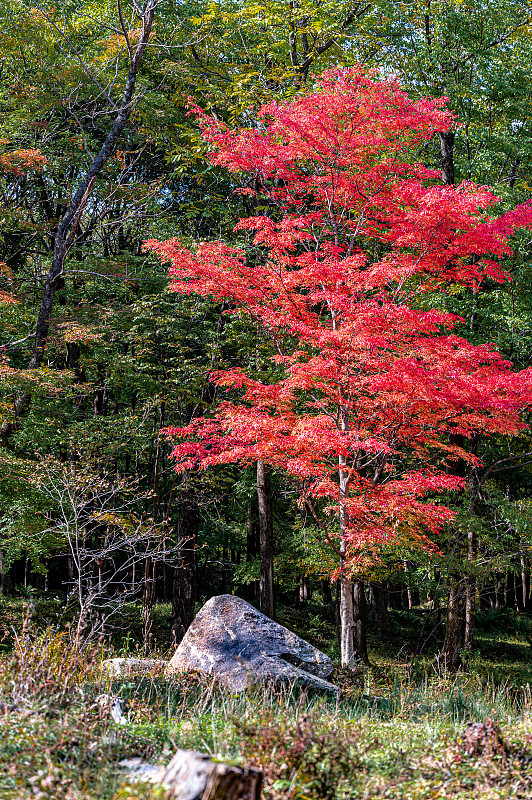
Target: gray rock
233, 642
129, 667
139, 770
113, 706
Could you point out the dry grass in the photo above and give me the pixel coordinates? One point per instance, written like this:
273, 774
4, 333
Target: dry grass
397, 733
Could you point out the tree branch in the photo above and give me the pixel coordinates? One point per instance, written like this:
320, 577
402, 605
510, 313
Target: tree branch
505, 463
65, 234
355, 13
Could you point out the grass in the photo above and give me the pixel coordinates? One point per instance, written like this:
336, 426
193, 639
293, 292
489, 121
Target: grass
402, 730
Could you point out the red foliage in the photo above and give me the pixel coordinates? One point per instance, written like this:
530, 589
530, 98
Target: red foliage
18, 162
373, 389
7, 298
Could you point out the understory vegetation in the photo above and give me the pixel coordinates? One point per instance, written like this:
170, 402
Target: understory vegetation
401, 729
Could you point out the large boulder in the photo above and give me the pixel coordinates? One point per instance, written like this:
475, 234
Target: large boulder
239, 646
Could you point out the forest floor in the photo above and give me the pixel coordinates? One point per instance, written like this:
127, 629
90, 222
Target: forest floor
402, 729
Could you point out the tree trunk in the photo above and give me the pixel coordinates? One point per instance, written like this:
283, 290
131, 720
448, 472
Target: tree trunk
266, 598
519, 591
326, 594
447, 157
185, 578
353, 613
224, 564
148, 599
360, 615
510, 590
353, 622
252, 548
525, 581
471, 594
304, 589
408, 591
451, 652
337, 622
513, 172
487, 596
395, 596
347, 626
469, 622
455, 625
252, 538
70, 571
499, 590
65, 235
379, 597
436, 604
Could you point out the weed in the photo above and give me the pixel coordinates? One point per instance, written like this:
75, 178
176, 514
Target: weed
397, 732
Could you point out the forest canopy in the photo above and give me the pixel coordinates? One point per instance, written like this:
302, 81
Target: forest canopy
265, 295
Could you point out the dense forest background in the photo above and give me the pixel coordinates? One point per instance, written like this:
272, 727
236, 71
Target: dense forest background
99, 154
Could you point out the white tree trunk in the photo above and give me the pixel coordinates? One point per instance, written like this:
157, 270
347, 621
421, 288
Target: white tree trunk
347, 641
347, 619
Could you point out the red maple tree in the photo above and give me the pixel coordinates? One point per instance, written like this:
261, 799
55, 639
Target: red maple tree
375, 387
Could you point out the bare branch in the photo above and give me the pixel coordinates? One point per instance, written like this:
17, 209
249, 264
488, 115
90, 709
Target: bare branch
357, 12
76, 53
502, 464
124, 31
18, 341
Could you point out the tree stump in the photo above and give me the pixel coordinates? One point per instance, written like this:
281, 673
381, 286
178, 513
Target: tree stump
194, 776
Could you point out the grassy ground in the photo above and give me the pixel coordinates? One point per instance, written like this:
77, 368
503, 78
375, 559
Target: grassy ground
402, 729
